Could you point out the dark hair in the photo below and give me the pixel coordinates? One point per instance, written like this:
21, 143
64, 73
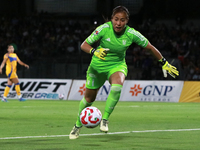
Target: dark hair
120, 9
10, 45
14, 46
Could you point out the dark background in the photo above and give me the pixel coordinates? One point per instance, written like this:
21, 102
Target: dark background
159, 9
48, 35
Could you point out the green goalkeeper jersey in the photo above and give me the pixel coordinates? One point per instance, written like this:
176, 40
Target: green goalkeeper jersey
118, 44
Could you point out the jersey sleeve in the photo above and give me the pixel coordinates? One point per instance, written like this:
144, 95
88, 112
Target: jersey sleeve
97, 34
5, 56
138, 38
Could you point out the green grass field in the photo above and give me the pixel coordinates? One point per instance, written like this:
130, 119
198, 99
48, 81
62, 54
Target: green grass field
45, 125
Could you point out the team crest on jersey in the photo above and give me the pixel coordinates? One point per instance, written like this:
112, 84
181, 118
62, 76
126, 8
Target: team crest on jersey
124, 42
108, 39
96, 32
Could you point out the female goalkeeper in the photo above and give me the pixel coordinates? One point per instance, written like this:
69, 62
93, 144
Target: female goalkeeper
108, 62
11, 59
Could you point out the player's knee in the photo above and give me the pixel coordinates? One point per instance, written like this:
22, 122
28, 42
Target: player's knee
9, 86
90, 99
17, 84
116, 88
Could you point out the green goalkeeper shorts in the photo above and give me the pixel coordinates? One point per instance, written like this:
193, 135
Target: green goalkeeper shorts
96, 79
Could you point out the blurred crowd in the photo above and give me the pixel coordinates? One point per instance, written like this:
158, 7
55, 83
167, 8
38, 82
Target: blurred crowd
38, 37
176, 42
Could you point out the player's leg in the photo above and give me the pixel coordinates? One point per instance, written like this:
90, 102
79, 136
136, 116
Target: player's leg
116, 80
88, 99
17, 88
93, 83
6, 91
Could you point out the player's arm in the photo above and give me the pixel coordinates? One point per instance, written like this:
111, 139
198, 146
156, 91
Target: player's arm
22, 63
166, 67
96, 35
100, 53
86, 47
153, 51
3, 64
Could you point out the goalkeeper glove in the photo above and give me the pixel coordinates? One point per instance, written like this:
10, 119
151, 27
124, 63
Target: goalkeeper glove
167, 68
100, 53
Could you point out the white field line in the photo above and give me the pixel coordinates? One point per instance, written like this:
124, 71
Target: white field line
125, 132
149, 106
129, 106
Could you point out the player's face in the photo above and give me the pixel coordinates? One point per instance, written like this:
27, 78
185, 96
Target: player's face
119, 21
10, 49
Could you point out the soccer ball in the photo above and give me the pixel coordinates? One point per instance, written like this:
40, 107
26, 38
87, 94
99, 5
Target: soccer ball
61, 96
90, 117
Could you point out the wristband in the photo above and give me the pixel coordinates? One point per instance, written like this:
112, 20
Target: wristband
92, 50
162, 61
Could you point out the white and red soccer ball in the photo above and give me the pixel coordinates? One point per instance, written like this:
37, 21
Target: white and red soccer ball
61, 96
90, 117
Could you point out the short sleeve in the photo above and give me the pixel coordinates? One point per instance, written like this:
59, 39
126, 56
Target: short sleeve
138, 38
5, 56
97, 34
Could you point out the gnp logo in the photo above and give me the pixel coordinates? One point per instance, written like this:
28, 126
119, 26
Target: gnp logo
135, 90
153, 90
